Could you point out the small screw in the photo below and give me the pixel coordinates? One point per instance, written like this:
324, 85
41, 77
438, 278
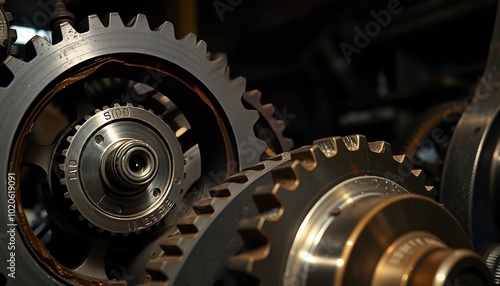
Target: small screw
177, 181
335, 212
156, 192
99, 139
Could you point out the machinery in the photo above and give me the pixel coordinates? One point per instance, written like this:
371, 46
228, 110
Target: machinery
132, 156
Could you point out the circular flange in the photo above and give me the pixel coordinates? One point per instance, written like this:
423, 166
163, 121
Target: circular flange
139, 161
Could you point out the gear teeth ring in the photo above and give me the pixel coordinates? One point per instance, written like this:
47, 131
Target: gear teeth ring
295, 183
196, 231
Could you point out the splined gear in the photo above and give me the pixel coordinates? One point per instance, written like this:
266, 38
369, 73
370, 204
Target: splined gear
52, 81
339, 210
128, 147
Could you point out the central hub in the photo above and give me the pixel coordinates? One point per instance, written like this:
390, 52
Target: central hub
129, 167
123, 169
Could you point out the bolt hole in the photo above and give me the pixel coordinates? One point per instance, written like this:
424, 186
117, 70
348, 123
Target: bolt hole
156, 192
99, 139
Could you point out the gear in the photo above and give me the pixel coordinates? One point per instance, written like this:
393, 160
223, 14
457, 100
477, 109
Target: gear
340, 211
7, 35
200, 234
232, 202
471, 174
52, 82
269, 127
428, 139
130, 197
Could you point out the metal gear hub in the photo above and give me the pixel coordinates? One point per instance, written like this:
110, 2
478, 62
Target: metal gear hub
128, 147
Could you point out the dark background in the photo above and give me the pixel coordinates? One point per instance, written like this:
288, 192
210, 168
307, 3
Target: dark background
433, 51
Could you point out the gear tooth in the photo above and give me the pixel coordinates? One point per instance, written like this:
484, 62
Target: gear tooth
67, 195
91, 23
65, 152
328, 146
399, 158
250, 230
73, 208
380, 147
151, 111
201, 46
139, 22
203, 207
116, 105
70, 139
36, 46
221, 191
140, 106
307, 157
220, 63
269, 109
239, 178
417, 173
113, 19
129, 105
80, 217
167, 29
266, 200
286, 176
113, 233
61, 167
62, 182
172, 246
97, 111
64, 32
188, 225
190, 40
253, 97
105, 107
14, 64
78, 127
87, 117
354, 142
160, 271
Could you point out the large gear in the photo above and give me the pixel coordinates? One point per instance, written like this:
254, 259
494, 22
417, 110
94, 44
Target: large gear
52, 82
471, 174
231, 202
212, 233
339, 211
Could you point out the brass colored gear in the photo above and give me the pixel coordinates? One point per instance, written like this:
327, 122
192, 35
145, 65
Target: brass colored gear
343, 208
